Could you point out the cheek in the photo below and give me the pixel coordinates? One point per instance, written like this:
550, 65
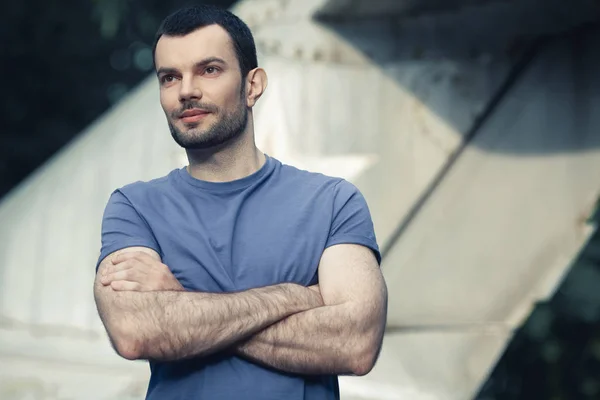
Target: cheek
226, 94
233, 101
169, 101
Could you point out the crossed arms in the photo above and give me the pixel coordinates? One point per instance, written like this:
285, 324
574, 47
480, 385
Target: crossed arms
335, 328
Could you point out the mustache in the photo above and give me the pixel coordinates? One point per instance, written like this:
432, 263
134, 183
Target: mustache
189, 105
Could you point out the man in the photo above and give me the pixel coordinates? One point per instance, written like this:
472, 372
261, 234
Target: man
237, 277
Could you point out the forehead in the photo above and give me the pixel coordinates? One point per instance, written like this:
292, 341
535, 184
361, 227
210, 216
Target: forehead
182, 51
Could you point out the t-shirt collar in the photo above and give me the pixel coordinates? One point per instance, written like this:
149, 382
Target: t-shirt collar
241, 183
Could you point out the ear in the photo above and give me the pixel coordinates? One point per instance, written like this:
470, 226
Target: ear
256, 84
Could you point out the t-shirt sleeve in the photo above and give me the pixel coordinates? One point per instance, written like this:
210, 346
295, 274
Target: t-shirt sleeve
352, 223
123, 226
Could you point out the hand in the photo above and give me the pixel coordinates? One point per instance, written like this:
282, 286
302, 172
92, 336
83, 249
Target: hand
315, 288
318, 296
138, 271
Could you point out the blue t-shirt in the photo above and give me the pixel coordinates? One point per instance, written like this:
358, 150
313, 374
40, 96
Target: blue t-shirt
264, 229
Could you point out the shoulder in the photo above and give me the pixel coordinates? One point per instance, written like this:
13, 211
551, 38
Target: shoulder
306, 179
147, 188
314, 181
140, 194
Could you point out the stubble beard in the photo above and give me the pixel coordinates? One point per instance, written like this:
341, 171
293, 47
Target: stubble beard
226, 129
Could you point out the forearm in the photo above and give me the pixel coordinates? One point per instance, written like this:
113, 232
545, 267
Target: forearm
178, 325
325, 340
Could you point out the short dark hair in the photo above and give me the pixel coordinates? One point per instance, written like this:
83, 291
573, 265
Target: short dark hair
187, 20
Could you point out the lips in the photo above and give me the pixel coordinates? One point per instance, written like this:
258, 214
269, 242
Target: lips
193, 112
193, 115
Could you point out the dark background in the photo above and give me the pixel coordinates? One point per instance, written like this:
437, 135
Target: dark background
555, 355
66, 62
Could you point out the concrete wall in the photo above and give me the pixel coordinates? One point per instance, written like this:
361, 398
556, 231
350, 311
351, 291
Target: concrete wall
502, 228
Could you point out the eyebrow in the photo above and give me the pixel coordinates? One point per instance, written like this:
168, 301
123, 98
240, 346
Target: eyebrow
199, 64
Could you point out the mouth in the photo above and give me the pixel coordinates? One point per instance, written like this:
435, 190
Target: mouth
193, 115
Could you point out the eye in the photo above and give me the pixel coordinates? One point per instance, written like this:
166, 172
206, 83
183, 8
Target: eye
211, 70
167, 79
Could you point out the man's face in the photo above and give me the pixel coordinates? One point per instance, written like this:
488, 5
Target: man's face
201, 88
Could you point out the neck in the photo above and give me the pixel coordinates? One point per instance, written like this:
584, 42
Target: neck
228, 162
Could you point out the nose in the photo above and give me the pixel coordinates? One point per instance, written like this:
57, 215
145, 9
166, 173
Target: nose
189, 89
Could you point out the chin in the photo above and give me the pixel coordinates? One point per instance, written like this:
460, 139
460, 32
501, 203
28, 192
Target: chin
199, 140
193, 136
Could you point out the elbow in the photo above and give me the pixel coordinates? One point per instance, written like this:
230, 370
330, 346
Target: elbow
364, 358
129, 350
127, 345
363, 364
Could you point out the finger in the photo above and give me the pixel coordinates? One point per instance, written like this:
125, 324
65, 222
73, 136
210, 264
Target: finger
125, 265
125, 275
109, 269
131, 255
122, 286
119, 258
315, 288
